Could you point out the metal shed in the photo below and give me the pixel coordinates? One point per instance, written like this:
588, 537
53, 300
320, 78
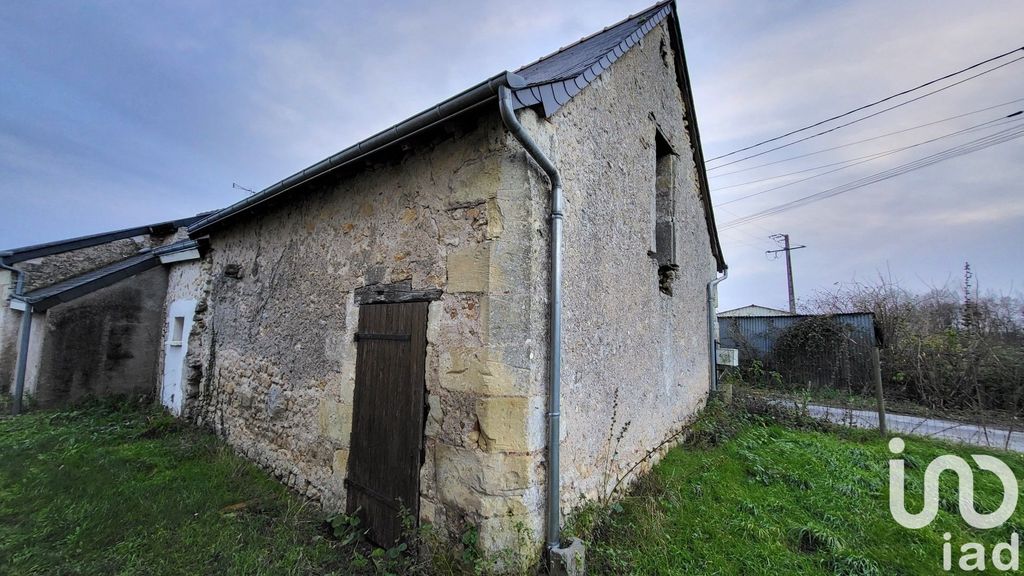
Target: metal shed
844, 364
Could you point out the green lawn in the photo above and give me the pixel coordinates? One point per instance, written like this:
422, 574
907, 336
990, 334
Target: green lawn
779, 500
106, 491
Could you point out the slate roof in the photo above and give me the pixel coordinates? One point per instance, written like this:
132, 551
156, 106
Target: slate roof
555, 79
549, 83
78, 286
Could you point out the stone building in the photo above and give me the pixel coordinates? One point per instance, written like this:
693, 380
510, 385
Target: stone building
378, 327
395, 326
96, 305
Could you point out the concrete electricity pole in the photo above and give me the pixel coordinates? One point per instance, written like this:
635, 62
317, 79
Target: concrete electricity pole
784, 241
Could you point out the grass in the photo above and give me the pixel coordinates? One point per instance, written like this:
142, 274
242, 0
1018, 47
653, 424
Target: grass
103, 490
129, 490
126, 489
773, 498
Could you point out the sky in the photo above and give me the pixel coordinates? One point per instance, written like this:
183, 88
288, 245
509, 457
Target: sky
115, 114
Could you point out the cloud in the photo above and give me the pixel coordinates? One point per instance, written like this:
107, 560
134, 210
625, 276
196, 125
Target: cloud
791, 66
118, 113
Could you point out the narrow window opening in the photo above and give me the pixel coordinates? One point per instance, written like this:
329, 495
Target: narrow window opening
177, 330
664, 208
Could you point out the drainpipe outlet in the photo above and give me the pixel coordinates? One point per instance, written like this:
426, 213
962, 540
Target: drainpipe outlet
569, 560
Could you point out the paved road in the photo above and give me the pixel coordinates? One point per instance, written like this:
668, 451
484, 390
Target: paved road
930, 427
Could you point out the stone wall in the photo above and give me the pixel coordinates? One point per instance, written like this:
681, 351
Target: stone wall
190, 280
103, 343
281, 318
48, 270
466, 211
498, 468
635, 360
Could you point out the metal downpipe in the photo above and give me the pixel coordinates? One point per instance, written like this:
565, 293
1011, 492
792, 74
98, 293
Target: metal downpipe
19, 379
553, 529
26, 332
712, 319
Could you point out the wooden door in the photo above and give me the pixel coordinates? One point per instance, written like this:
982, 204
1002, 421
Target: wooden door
387, 424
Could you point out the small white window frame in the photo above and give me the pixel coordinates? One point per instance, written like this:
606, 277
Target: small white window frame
176, 337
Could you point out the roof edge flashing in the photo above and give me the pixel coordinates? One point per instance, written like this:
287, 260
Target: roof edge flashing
683, 77
514, 81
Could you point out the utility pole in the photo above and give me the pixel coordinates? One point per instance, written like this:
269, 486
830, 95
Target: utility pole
783, 239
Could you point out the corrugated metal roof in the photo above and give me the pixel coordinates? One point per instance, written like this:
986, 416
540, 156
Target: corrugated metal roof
72, 288
754, 310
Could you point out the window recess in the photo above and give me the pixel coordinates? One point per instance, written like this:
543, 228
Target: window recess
664, 210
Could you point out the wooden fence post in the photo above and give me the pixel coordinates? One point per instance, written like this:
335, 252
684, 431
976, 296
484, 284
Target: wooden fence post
877, 364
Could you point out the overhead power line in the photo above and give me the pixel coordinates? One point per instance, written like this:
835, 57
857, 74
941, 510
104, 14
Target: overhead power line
963, 149
862, 118
960, 150
1008, 119
877, 102
879, 137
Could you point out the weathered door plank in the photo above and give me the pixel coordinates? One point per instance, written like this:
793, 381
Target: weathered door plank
387, 426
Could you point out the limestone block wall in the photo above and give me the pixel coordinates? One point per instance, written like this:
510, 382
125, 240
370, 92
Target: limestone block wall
635, 359
281, 317
498, 466
466, 212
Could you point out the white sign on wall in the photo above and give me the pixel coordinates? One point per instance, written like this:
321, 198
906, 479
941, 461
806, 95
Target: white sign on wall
728, 357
